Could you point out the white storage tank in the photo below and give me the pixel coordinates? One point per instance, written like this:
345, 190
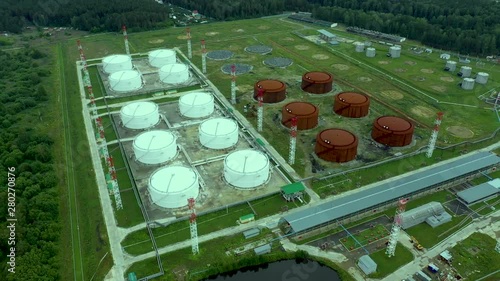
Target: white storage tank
172, 186
196, 105
468, 84
159, 58
140, 115
482, 77
125, 81
246, 168
155, 147
465, 71
395, 51
370, 52
450, 65
359, 47
218, 133
116, 63
174, 73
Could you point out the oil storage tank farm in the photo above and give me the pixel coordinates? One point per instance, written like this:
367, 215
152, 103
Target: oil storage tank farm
465, 71
307, 115
218, 133
246, 168
353, 105
174, 73
116, 63
317, 82
395, 52
155, 147
172, 186
274, 90
468, 84
370, 52
125, 81
482, 77
161, 57
139, 115
336, 145
196, 105
392, 131
450, 66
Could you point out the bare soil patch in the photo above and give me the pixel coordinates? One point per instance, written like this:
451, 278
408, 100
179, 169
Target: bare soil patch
364, 79
263, 27
447, 79
320, 57
409, 62
238, 30
418, 78
383, 62
244, 88
288, 39
391, 94
400, 69
340, 66
211, 33
423, 111
301, 47
426, 70
182, 37
156, 41
440, 89
460, 132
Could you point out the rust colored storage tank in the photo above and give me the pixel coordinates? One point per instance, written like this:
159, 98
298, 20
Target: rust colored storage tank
316, 82
353, 105
336, 145
392, 131
306, 113
274, 90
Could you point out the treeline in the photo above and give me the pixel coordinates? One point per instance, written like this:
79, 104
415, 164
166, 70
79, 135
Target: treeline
468, 27
88, 15
465, 27
27, 154
233, 9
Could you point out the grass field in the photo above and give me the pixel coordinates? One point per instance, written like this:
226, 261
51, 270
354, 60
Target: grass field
475, 256
135, 242
365, 237
386, 265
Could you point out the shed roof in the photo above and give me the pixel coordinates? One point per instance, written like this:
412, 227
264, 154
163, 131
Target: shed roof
326, 33
479, 192
251, 232
246, 217
367, 264
386, 192
293, 188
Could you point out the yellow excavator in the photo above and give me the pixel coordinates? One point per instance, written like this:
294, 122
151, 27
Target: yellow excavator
416, 244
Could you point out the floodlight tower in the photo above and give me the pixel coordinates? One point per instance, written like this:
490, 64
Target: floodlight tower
93, 106
193, 227
125, 36
203, 57
116, 189
434, 135
260, 109
396, 227
188, 34
293, 140
497, 247
496, 106
233, 84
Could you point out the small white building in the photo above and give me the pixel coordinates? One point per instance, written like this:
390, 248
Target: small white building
367, 265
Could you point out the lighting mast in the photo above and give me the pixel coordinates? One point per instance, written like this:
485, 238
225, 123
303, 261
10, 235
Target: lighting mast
125, 36
260, 109
233, 84
203, 57
193, 227
396, 227
293, 140
188, 34
434, 135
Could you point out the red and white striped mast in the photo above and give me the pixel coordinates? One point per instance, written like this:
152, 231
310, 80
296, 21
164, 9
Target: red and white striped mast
203, 57
293, 140
233, 84
434, 135
125, 36
188, 35
193, 227
396, 227
260, 109
86, 77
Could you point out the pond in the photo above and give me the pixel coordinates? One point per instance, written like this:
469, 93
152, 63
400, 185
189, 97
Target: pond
287, 270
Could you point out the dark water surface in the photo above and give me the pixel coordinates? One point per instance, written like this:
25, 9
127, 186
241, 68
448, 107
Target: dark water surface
287, 270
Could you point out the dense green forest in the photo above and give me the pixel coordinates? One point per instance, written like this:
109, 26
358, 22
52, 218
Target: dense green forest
468, 27
23, 100
89, 15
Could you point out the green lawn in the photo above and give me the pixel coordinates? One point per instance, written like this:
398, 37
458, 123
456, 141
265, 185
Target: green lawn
475, 257
365, 237
179, 231
428, 236
386, 265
